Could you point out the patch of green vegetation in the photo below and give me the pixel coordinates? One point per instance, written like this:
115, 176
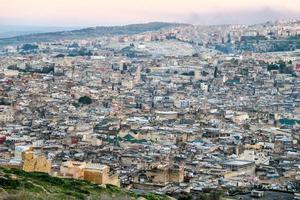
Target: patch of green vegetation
85, 100
29, 47
190, 73
281, 66
152, 196
290, 122
18, 184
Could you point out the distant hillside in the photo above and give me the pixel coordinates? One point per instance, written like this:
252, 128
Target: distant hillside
17, 184
7, 31
88, 33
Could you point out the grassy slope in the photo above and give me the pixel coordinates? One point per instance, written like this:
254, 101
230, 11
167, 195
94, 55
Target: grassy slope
17, 184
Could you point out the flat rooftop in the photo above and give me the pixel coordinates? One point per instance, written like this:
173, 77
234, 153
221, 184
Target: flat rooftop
238, 162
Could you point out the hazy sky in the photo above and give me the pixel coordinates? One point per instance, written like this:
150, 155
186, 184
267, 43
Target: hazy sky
113, 12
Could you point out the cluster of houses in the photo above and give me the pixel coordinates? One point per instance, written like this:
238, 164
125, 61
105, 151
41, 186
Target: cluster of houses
152, 122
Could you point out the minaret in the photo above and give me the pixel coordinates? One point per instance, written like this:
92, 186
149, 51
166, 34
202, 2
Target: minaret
137, 76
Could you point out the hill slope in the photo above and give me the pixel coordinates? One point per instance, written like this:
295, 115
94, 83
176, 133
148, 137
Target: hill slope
17, 184
88, 33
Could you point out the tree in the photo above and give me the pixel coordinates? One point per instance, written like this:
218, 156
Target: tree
60, 55
85, 100
184, 196
29, 47
214, 195
216, 72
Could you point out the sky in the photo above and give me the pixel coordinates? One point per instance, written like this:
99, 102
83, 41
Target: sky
67, 13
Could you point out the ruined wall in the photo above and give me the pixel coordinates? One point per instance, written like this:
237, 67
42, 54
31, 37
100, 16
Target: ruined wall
38, 164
